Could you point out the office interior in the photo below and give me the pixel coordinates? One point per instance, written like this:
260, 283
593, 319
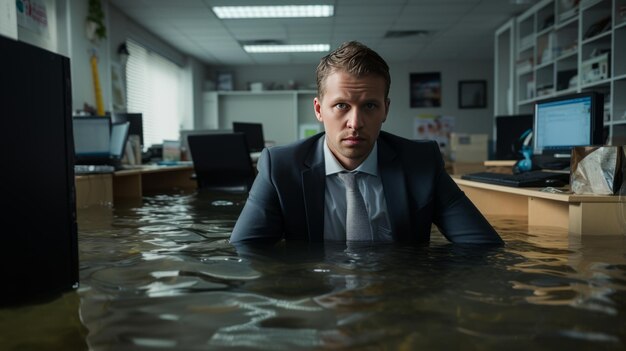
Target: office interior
558, 284
66, 27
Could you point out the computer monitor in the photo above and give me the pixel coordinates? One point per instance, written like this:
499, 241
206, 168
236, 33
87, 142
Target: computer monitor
185, 133
40, 238
92, 139
510, 131
119, 136
254, 134
564, 122
136, 123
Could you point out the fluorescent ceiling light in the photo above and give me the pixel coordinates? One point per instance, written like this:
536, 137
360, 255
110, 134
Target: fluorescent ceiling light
286, 48
289, 11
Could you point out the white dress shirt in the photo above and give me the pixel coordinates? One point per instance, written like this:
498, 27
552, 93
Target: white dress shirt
371, 189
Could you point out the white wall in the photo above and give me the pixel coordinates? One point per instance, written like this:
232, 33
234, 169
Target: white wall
401, 115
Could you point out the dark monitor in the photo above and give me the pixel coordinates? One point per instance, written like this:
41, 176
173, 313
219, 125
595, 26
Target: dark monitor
564, 122
185, 133
39, 236
510, 132
136, 123
254, 134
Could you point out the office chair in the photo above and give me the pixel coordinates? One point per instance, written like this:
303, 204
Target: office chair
222, 162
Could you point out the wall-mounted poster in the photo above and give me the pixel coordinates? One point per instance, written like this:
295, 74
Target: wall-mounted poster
225, 81
425, 89
473, 94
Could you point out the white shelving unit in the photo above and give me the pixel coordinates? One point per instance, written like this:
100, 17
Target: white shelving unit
561, 49
282, 112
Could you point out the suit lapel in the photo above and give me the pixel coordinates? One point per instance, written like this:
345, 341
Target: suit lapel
394, 186
314, 187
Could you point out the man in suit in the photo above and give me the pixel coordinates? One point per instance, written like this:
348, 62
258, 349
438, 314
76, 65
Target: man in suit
300, 190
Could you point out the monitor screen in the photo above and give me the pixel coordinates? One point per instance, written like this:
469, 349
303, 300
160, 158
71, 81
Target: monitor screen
185, 133
119, 135
567, 121
254, 134
510, 132
92, 137
136, 123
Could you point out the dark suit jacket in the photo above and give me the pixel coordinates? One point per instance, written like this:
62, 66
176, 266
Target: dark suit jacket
286, 200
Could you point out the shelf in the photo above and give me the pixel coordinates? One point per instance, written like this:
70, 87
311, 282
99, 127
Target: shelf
265, 92
566, 23
587, 4
544, 65
568, 55
545, 31
526, 102
566, 91
596, 84
597, 37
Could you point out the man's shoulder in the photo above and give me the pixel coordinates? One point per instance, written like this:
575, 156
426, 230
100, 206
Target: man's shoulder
299, 153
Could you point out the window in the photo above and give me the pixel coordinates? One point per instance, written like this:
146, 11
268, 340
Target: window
154, 89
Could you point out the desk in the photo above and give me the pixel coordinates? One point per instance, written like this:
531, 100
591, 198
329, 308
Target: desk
579, 214
102, 189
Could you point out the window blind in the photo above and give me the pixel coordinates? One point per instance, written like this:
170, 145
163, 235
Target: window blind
153, 89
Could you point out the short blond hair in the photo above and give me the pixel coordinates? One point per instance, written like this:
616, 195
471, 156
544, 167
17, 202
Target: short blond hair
356, 59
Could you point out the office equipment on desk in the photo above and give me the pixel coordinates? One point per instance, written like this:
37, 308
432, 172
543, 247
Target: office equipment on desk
92, 139
510, 135
468, 147
253, 133
93, 169
98, 142
135, 144
564, 122
521, 180
222, 162
171, 150
184, 143
136, 123
40, 246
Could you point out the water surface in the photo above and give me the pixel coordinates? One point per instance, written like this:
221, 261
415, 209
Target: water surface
161, 275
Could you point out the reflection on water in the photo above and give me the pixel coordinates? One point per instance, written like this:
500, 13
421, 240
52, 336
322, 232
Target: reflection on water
162, 275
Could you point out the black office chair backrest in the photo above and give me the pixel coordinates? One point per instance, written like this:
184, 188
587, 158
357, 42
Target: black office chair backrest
222, 161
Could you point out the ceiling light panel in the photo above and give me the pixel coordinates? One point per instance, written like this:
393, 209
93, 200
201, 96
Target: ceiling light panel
286, 48
291, 11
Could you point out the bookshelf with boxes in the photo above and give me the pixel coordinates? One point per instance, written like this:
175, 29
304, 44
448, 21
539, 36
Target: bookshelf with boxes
569, 46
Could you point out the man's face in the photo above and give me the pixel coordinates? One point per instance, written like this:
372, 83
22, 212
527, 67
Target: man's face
352, 110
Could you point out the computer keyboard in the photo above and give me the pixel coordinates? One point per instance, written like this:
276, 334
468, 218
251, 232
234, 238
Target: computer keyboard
93, 169
527, 179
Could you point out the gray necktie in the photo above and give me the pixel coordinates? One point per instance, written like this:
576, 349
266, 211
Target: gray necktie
357, 219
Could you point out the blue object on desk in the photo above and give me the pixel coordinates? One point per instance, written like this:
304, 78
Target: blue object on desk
174, 163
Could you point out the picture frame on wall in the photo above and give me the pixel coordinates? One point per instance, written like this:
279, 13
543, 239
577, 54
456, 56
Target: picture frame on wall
225, 81
425, 89
472, 94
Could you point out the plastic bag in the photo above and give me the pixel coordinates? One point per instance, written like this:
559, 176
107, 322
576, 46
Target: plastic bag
598, 170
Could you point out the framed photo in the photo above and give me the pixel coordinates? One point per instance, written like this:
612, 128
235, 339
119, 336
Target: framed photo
425, 89
225, 81
472, 94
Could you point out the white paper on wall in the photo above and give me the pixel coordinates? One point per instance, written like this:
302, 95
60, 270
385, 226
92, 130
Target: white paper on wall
8, 19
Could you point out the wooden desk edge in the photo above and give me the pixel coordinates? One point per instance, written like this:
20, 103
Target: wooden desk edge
537, 193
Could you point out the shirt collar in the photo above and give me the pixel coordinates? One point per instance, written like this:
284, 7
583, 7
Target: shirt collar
369, 166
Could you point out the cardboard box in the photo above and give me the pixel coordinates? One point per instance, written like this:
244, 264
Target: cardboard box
468, 147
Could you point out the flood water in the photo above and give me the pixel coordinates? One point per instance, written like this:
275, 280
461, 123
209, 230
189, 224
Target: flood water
161, 275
